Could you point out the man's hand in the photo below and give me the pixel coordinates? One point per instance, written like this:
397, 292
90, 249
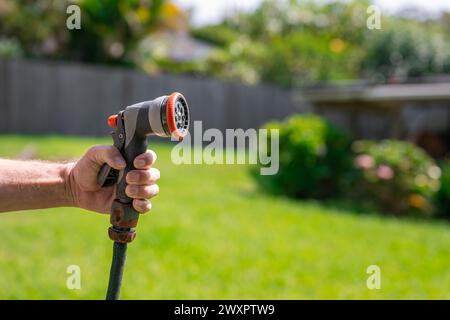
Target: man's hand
82, 185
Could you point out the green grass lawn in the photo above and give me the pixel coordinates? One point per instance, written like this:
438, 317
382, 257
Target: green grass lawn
212, 235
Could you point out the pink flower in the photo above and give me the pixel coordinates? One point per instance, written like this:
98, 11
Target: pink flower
385, 173
364, 161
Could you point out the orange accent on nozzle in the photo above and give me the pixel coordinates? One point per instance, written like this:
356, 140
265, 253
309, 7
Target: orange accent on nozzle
170, 114
112, 121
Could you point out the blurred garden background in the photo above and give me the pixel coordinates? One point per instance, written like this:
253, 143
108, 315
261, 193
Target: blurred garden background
364, 120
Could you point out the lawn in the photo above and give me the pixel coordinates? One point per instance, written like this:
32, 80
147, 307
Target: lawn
212, 235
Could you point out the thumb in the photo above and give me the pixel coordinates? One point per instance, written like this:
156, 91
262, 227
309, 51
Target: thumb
107, 154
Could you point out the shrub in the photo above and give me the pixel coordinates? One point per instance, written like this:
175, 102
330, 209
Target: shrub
405, 51
219, 35
314, 158
443, 195
396, 176
10, 48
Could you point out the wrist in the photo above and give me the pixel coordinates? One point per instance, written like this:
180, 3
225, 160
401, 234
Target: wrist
68, 184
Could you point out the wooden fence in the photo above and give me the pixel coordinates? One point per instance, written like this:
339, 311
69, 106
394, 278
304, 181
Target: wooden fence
66, 98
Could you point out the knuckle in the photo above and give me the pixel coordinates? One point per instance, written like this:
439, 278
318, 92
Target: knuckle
147, 155
112, 152
146, 176
145, 192
93, 150
131, 191
149, 176
133, 177
136, 191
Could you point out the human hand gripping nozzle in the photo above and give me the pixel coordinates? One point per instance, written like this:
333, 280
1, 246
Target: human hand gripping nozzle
165, 116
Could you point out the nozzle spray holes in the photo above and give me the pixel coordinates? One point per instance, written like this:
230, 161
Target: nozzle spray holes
181, 115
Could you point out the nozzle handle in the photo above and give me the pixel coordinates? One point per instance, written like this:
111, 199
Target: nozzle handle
136, 146
107, 176
131, 143
124, 217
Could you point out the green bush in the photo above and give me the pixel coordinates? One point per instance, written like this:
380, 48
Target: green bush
443, 195
396, 176
9, 48
405, 50
219, 35
314, 158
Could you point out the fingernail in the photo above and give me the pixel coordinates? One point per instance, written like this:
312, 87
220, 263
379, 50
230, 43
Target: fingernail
120, 162
140, 163
154, 156
156, 174
145, 205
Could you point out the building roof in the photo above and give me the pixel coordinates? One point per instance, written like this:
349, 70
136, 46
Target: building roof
379, 93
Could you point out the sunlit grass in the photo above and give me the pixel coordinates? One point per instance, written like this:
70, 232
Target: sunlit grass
212, 235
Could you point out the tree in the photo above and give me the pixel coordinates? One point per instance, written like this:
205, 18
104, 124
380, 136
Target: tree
404, 50
110, 29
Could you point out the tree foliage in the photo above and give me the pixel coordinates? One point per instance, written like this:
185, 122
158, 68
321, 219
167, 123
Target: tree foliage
109, 32
288, 43
297, 43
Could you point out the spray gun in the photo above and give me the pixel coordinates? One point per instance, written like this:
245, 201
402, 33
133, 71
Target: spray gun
166, 116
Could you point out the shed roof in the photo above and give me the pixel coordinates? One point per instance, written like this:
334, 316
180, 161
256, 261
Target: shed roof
379, 93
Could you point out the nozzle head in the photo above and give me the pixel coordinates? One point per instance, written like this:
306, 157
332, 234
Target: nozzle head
165, 116
176, 115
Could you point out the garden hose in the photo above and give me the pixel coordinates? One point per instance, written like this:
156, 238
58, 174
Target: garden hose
116, 272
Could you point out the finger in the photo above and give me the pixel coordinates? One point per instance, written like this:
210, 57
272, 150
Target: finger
142, 205
143, 177
107, 154
142, 192
145, 160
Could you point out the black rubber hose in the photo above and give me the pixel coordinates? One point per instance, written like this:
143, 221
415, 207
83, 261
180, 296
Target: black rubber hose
116, 273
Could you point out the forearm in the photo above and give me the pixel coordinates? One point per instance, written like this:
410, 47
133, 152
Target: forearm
33, 185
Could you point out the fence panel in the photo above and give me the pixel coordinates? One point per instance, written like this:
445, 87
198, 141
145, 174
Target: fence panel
65, 98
